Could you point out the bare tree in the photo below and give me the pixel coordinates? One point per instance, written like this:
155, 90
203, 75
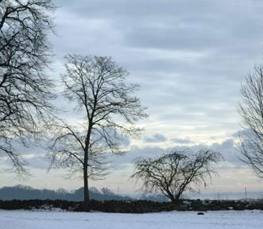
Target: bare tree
174, 173
107, 191
24, 88
109, 110
251, 110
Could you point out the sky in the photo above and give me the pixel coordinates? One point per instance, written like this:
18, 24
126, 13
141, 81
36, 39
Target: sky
189, 57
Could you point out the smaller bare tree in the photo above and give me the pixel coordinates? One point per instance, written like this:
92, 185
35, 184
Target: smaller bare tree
251, 110
174, 173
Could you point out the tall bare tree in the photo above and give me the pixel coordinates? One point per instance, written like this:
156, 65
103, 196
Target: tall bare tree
251, 110
109, 110
174, 173
24, 88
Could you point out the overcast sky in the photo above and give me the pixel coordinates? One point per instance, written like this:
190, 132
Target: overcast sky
189, 57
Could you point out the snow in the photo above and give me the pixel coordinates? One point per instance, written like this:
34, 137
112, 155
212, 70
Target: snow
164, 220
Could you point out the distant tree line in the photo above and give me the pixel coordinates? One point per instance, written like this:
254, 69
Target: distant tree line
27, 193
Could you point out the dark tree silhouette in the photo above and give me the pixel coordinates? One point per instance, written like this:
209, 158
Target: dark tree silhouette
251, 110
174, 173
109, 111
24, 88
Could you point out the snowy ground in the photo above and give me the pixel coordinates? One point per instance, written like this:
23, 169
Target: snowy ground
177, 220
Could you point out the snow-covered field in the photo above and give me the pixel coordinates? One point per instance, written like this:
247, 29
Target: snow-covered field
177, 220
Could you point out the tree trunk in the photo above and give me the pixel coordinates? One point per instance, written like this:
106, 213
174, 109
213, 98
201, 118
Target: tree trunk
86, 189
86, 201
86, 183
175, 200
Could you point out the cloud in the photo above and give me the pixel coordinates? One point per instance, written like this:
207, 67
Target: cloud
229, 151
36, 161
226, 148
156, 138
182, 140
241, 134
